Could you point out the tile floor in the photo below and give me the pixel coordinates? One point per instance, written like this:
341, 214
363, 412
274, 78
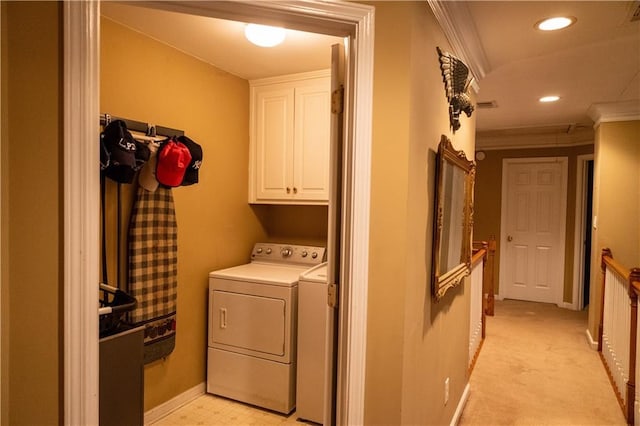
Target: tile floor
212, 410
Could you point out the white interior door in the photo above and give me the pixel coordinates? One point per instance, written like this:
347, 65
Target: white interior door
334, 243
534, 198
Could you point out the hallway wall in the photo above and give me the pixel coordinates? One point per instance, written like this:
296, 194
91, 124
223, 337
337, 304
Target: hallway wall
616, 203
32, 251
413, 344
4, 219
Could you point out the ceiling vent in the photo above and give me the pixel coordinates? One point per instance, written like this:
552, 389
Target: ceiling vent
634, 15
487, 105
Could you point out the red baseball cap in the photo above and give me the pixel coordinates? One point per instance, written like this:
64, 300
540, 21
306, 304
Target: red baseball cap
173, 159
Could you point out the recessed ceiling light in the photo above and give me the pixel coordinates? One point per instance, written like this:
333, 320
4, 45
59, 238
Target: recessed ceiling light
549, 98
555, 23
264, 35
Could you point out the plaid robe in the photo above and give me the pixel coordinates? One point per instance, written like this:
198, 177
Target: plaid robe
153, 269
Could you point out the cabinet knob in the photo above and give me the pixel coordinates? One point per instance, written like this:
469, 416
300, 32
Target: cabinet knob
288, 190
295, 190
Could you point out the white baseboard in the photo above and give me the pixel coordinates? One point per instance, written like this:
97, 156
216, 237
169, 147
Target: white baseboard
460, 407
156, 413
592, 343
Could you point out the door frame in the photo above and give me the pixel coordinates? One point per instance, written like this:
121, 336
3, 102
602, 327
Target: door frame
81, 27
558, 296
579, 233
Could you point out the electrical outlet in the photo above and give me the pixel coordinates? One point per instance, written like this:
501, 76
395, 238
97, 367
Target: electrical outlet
446, 391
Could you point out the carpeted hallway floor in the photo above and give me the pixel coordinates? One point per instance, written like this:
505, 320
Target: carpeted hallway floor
536, 368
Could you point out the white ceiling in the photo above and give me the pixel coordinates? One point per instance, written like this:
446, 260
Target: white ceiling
222, 43
591, 65
596, 60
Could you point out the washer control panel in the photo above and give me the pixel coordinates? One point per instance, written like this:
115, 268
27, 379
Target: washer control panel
288, 253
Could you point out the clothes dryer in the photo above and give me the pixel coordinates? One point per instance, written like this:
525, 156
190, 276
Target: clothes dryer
251, 355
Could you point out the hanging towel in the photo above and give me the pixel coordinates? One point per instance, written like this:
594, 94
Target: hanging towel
153, 269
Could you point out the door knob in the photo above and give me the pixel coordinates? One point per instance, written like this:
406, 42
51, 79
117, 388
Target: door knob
509, 238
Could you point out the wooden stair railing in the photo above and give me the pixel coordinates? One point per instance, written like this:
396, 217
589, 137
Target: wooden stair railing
618, 329
482, 295
489, 276
634, 280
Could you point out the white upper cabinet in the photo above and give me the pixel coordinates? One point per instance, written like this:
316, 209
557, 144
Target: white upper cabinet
290, 130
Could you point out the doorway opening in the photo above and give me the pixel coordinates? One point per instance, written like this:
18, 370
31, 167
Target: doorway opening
586, 258
583, 232
286, 92
81, 112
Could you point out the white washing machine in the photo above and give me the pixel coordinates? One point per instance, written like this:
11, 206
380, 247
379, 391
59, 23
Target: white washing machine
313, 323
253, 326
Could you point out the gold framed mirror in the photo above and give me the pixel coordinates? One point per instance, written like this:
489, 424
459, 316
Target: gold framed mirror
453, 218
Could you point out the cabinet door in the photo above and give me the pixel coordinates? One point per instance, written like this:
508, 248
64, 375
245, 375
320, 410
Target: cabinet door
274, 109
311, 141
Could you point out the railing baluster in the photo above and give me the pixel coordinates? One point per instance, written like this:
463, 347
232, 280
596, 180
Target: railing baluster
618, 330
476, 311
488, 285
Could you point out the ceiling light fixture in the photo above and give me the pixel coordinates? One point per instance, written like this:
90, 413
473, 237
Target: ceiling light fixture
264, 35
555, 23
552, 98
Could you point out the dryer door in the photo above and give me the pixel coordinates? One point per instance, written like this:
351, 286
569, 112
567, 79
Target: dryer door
247, 323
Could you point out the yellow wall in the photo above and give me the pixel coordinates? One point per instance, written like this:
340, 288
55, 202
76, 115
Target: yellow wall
616, 203
306, 225
389, 187
488, 193
148, 81
413, 344
216, 225
4, 220
31, 213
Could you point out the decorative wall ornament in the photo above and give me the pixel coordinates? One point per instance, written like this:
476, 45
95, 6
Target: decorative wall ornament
455, 75
453, 219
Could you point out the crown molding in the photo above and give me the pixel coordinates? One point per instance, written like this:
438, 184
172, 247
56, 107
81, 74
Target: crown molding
460, 29
606, 112
550, 137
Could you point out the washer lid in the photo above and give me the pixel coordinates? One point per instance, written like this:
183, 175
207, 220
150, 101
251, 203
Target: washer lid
263, 273
317, 274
